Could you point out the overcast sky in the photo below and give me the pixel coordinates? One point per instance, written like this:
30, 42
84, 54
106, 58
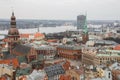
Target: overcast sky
61, 9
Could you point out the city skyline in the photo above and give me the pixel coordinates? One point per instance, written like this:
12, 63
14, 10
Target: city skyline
60, 9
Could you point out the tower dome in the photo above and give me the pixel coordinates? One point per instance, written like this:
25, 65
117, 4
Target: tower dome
13, 30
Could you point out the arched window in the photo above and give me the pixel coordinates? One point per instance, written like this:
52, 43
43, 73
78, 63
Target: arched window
109, 75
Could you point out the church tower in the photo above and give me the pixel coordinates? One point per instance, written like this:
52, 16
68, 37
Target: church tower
85, 36
13, 34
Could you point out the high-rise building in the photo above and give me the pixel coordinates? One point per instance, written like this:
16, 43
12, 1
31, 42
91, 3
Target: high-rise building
13, 34
80, 21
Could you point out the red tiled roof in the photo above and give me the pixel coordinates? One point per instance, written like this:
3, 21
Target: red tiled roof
5, 40
65, 77
52, 40
3, 78
117, 47
36, 35
23, 78
10, 61
24, 35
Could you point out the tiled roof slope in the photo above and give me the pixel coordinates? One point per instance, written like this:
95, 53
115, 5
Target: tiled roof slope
54, 70
13, 62
117, 47
22, 49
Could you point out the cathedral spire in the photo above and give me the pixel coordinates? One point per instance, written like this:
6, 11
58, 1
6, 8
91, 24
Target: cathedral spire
13, 20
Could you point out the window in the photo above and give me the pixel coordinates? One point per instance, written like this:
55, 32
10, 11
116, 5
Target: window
109, 76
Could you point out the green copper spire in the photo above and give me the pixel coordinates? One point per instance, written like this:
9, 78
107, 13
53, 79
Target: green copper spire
85, 29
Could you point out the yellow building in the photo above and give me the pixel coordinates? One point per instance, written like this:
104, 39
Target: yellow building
5, 69
105, 56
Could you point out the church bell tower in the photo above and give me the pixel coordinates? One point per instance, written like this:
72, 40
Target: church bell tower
13, 34
85, 36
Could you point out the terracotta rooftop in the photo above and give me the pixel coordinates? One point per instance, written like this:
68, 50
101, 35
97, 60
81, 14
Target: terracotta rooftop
36, 35
5, 40
23, 78
52, 40
117, 47
3, 78
14, 62
24, 35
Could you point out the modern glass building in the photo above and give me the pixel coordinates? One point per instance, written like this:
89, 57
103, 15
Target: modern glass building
81, 21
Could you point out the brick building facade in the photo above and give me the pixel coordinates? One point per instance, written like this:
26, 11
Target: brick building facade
69, 52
